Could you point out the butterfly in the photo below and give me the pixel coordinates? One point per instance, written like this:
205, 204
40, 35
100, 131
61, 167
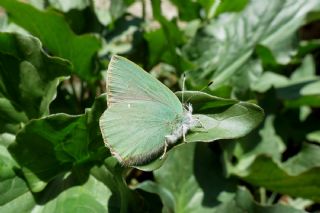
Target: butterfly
144, 117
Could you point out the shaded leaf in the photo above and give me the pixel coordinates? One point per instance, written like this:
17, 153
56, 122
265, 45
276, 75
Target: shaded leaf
297, 177
56, 144
29, 78
243, 202
103, 191
190, 181
14, 193
56, 35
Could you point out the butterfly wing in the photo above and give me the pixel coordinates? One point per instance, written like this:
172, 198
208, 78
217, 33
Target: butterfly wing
141, 112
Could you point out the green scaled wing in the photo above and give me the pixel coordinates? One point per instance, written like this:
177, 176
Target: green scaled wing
141, 112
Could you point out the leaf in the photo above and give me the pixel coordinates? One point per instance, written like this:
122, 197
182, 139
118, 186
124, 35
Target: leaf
268, 80
260, 142
243, 202
191, 180
222, 46
296, 177
222, 118
58, 143
56, 35
29, 78
14, 193
103, 191
301, 89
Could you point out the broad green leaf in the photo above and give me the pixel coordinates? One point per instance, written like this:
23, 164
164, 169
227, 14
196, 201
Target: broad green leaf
221, 47
301, 94
222, 118
244, 151
103, 191
265, 141
14, 193
29, 78
296, 177
58, 143
268, 80
301, 89
157, 46
191, 180
54, 32
243, 202
248, 76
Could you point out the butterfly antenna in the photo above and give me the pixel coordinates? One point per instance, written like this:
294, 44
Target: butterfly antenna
183, 86
204, 88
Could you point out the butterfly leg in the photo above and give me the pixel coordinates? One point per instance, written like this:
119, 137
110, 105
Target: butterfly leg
165, 149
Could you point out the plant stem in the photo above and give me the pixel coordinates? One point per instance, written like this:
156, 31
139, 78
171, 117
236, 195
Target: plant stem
263, 197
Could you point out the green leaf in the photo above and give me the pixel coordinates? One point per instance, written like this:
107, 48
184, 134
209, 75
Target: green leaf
264, 141
103, 191
243, 202
268, 80
191, 180
301, 89
297, 177
58, 143
222, 46
14, 193
54, 32
29, 78
222, 118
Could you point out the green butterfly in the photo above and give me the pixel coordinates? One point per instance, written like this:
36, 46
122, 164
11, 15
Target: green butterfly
144, 117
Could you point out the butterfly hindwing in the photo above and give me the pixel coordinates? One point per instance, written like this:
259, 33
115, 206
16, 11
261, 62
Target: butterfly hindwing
141, 112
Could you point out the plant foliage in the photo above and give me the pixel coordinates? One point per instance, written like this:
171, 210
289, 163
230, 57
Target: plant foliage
258, 150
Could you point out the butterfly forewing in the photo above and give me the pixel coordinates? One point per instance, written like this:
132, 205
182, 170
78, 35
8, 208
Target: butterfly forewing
141, 112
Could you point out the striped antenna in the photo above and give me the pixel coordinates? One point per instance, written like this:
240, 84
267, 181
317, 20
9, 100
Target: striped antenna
183, 86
